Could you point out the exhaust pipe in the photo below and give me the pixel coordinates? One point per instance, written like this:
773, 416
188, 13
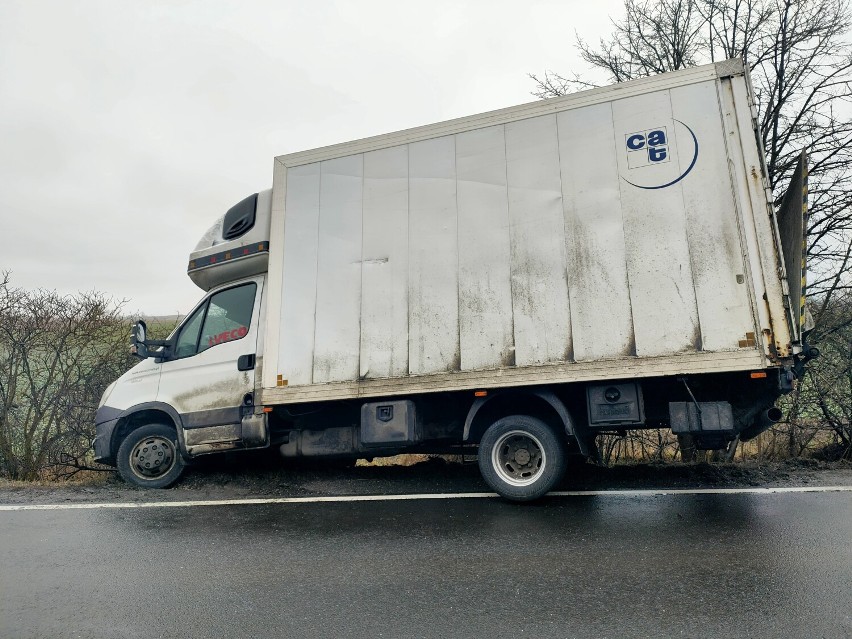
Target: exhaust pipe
769, 417
762, 421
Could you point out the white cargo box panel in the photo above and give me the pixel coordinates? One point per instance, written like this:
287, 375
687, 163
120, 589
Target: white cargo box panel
617, 232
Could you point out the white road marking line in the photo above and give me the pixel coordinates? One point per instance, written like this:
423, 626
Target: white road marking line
653, 492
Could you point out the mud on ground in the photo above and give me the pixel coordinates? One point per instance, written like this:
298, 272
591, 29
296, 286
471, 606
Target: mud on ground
248, 475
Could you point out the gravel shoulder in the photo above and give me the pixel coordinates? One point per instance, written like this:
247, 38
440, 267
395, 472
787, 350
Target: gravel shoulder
246, 476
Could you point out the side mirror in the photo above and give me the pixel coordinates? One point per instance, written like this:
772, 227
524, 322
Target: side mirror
138, 340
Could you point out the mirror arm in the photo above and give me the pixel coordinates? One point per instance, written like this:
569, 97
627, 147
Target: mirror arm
165, 352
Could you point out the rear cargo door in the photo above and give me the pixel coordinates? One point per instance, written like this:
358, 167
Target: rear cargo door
792, 225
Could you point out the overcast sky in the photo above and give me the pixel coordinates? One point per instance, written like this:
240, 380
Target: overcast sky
127, 128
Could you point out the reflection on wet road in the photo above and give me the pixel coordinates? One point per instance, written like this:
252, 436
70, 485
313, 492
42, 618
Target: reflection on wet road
616, 566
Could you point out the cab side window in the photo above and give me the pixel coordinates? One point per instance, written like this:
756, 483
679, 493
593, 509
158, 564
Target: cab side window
187, 341
228, 316
225, 317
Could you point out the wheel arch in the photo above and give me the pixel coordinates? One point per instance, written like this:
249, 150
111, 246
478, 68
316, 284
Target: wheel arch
147, 413
542, 403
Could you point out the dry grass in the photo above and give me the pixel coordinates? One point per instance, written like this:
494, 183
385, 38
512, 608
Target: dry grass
783, 441
81, 478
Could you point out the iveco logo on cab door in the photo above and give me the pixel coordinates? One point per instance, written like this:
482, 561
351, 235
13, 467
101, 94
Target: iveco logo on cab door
652, 147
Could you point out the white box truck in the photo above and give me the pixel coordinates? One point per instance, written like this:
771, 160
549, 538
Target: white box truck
515, 282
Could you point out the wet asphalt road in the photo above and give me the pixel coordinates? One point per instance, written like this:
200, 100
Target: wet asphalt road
665, 566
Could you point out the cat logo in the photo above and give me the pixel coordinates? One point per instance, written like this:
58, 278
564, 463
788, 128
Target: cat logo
651, 148
647, 147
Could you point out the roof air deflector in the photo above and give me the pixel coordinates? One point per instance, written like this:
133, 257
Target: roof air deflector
240, 218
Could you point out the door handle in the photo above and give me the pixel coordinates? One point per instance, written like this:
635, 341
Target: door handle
245, 362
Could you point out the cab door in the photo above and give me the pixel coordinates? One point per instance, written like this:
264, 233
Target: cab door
209, 377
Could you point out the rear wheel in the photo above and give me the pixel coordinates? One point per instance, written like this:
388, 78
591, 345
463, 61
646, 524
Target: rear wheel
149, 457
521, 457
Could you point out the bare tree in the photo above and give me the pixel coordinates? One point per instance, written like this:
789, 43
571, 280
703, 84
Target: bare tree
655, 36
57, 355
823, 401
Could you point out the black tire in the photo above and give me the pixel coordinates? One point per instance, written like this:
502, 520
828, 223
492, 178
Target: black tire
521, 457
150, 457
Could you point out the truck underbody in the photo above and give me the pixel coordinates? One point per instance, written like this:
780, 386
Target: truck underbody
714, 409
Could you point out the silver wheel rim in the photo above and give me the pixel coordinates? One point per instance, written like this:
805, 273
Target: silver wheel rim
152, 457
519, 458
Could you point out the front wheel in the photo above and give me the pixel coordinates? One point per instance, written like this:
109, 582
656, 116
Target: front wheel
521, 457
149, 457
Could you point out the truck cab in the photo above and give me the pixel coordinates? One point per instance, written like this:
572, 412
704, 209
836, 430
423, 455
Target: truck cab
194, 392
